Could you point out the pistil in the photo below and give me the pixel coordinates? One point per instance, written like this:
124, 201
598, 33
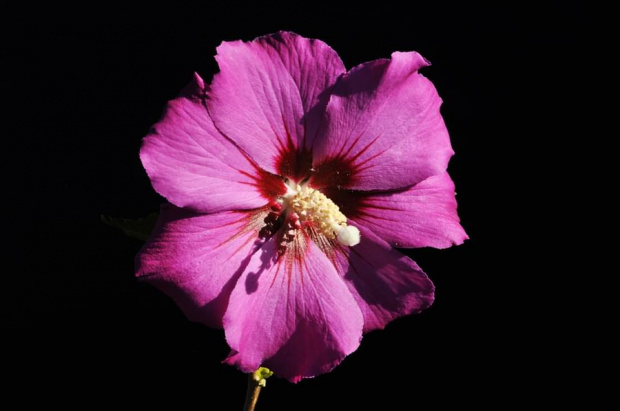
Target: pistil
310, 206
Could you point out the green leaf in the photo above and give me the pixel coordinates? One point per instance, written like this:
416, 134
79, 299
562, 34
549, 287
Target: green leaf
140, 228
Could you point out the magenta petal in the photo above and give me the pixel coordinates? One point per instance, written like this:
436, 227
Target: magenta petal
196, 259
421, 216
193, 165
385, 283
294, 315
264, 95
383, 128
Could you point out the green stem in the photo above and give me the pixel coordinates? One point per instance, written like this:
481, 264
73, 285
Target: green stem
251, 395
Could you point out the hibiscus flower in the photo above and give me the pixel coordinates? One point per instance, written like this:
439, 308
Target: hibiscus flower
290, 180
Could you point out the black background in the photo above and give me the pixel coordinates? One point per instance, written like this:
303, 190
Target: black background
82, 86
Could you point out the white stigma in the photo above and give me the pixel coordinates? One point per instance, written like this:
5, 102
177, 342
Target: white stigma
313, 206
349, 235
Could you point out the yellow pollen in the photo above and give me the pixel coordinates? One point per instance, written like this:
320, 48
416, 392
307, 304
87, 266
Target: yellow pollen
313, 206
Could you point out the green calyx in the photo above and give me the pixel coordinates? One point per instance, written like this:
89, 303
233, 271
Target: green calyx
261, 375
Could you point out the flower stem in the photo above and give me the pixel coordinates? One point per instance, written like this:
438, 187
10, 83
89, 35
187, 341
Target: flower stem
251, 395
256, 381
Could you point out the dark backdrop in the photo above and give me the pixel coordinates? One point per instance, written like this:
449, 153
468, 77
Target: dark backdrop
82, 86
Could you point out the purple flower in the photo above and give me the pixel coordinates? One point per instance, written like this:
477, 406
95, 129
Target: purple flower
290, 180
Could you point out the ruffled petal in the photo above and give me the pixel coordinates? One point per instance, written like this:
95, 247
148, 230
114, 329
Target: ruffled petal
385, 283
196, 259
193, 165
293, 314
424, 215
383, 128
269, 97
